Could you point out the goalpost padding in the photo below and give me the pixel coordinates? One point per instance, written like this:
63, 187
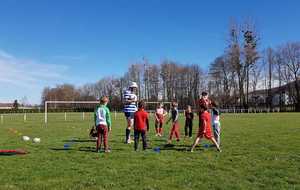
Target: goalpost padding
65, 102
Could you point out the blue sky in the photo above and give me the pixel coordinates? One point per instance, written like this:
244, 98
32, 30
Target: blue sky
44, 43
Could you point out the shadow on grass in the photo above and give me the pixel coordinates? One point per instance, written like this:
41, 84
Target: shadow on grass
182, 148
93, 149
159, 140
61, 149
80, 140
87, 149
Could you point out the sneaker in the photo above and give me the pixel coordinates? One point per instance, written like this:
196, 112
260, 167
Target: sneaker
107, 151
156, 134
159, 134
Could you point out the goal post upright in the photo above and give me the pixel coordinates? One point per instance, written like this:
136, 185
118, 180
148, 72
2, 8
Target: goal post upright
64, 102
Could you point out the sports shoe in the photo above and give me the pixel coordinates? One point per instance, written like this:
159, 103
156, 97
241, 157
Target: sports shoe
107, 151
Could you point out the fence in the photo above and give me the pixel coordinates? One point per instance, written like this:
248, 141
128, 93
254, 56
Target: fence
89, 116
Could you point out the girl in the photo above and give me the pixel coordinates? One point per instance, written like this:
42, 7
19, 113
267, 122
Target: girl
160, 113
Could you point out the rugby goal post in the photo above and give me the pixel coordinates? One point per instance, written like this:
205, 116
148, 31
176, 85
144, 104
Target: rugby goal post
65, 102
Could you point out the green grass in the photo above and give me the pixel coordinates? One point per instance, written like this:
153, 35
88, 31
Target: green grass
260, 151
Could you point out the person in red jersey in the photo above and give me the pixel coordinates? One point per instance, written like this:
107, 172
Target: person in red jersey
205, 128
160, 113
141, 125
204, 100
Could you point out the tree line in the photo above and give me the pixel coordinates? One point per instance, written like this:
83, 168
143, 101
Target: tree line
243, 71
232, 79
157, 82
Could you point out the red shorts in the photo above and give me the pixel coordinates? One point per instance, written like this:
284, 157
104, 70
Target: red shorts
207, 134
159, 121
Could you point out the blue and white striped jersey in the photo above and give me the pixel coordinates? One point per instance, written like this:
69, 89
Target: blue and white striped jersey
129, 107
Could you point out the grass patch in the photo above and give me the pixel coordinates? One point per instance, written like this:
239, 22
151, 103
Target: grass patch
260, 151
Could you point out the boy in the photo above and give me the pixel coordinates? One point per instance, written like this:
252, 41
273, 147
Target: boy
141, 124
204, 100
216, 122
102, 123
175, 124
205, 128
160, 113
189, 116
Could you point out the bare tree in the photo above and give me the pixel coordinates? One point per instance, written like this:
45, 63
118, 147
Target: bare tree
290, 54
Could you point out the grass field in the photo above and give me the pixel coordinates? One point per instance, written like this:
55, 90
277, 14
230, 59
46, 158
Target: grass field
260, 151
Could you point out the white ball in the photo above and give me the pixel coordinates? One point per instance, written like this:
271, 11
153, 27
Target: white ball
25, 138
36, 140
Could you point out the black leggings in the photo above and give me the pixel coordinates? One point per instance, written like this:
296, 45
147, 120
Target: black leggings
188, 128
137, 135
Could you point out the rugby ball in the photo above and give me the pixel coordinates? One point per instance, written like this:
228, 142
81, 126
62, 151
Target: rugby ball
25, 138
36, 140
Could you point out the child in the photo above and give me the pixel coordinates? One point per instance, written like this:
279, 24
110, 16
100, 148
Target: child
160, 113
204, 100
102, 123
141, 121
216, 122
175, 124
205, 128
189, 116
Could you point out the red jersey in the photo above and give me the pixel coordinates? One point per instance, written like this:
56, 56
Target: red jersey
141, 120
205, 130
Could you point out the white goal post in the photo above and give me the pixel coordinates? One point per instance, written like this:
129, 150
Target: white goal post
65, 102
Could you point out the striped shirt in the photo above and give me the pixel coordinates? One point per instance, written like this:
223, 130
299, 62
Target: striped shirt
129, 107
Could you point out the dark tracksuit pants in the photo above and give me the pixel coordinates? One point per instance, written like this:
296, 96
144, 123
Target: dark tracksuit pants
188, 128
137, 134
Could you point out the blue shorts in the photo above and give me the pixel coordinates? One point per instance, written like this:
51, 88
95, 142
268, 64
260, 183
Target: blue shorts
129, 115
